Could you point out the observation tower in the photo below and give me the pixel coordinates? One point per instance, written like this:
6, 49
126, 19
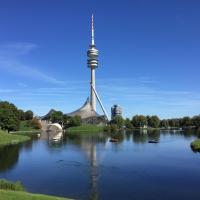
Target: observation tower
92, 54
88, 111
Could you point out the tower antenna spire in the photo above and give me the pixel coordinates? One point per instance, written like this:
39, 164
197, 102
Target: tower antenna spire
93, 29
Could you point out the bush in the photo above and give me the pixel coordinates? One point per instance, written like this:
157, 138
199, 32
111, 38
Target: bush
75, 121
111, 128
195, 145
35, 123
8, 185
118, 120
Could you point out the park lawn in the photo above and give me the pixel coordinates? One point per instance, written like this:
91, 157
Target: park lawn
86, 128
10, 139
13, 195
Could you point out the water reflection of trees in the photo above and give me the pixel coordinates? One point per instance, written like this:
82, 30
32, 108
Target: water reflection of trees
185, 133
139, 137
154, 135
9, 156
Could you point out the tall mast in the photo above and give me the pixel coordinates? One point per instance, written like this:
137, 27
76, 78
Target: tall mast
92, 30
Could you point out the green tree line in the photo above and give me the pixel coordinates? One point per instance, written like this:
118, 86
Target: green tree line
11, 116
64, 120
142, 121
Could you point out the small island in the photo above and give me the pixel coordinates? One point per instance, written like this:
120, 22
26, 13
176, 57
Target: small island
195, 145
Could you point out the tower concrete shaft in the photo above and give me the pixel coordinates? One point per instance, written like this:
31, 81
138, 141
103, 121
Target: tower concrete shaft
92, 93
92, 54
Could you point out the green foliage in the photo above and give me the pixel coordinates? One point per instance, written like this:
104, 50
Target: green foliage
75, 121
195, 145
111, 128
21, 114
28, 115
25, 126
57, 117
139, 121
196, 121
9, 116
154, 121
186, 122
31, 125
164, 123
128, 124
8, 185
118, 120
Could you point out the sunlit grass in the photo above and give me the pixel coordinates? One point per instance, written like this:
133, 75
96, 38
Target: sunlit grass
10, 139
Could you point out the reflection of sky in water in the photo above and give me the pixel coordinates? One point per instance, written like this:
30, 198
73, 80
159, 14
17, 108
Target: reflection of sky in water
90, 166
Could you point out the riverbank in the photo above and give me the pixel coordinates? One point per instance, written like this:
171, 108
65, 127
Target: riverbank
11, 139
15, 190
86, 128
13, 195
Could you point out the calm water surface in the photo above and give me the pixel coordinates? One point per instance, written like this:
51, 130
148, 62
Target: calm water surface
91, 167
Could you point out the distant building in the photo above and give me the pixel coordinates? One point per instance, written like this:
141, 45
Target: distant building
116, 110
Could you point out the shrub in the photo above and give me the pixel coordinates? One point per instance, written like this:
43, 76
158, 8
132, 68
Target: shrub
8, 185
195, 145
35, 123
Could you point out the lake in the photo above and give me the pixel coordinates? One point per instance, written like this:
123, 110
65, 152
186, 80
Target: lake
89, 166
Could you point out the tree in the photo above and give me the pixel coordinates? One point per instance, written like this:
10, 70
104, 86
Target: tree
128, 123
196, 121
186, 122
139, 121
118, 120
154, 121
172, 123
164, 123
75, 121
9, 116
66, 121
35, 123
57, 117
21, 114
28, 115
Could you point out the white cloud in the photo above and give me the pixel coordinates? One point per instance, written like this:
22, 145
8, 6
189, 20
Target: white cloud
10, 62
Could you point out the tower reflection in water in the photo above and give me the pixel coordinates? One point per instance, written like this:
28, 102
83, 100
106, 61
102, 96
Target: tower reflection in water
89, 144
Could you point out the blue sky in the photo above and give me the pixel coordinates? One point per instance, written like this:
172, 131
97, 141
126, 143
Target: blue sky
149, 55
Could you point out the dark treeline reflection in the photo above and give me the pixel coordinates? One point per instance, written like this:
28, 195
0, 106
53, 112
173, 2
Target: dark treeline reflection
9, 155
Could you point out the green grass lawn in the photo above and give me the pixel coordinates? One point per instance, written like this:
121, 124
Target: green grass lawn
19, 195
86, 128
196, 145
10, 139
